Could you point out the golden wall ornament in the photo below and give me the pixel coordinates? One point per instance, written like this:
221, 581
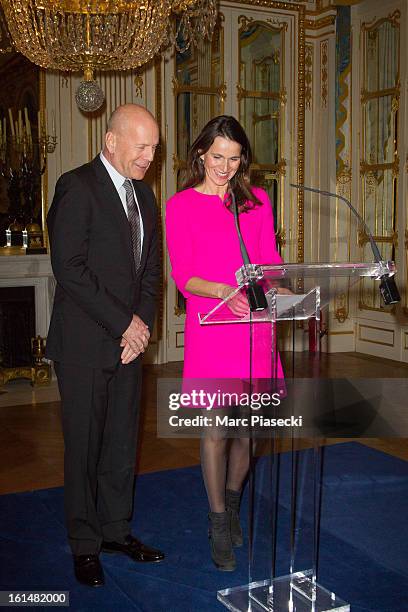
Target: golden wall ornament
392, 18
343, 180
38, 349
244, 22
301, 132
220, 91
396, 166
363, 238
138, 83
281, 237
281, 95
341, 307
308, 75
39, 373
281, 25
371, 95
223, 92
259, 118
180, 308
319, 24
276, 170
64, 80
324, 59
371, 169
89, 35
362, 305
395, 102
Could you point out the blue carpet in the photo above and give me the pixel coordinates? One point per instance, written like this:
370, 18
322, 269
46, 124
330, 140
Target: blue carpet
363, 549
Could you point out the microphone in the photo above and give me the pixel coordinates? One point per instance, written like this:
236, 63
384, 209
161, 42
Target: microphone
255, 294
388, 287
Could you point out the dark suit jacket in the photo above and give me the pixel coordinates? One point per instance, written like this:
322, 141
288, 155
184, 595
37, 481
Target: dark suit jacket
98, 289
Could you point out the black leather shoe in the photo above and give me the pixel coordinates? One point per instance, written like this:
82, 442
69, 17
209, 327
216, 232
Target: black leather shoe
88, 570
134, 549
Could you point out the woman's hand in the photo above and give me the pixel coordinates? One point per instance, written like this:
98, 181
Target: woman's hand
274, 284
284, 291
238, 304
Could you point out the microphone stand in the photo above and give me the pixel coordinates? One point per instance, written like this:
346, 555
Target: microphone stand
255, 294
388, 287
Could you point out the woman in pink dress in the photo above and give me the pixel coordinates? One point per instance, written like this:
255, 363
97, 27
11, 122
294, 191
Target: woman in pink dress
205, 254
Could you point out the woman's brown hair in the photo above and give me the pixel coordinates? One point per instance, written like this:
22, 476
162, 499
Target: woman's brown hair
226, 127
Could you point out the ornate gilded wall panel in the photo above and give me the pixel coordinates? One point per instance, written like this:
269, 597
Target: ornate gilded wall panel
324, 60
343, 222
308, 75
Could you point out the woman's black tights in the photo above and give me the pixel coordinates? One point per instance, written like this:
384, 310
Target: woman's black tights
224, 464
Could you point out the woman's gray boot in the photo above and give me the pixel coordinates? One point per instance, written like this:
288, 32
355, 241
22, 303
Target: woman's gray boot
232, 503
219, 534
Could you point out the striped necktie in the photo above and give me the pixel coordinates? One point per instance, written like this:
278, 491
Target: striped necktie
134, 221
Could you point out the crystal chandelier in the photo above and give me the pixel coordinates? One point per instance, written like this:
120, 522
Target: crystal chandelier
89, 35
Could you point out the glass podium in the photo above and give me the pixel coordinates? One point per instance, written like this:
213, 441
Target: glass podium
284, 513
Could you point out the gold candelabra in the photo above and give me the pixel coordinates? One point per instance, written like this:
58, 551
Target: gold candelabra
17, 142
23, 159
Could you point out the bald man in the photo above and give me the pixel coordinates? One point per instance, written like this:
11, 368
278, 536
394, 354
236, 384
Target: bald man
105, 256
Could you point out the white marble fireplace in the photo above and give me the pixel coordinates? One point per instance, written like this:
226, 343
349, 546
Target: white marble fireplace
31, 271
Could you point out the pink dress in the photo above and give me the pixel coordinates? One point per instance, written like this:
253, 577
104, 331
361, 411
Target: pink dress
202, 241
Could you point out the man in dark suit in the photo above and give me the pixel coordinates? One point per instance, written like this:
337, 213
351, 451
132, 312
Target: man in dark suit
105, 257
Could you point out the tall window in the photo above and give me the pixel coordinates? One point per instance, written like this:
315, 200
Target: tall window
261, 96
199, 92
380, 97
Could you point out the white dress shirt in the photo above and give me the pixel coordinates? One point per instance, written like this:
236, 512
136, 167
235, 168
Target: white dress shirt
118, 180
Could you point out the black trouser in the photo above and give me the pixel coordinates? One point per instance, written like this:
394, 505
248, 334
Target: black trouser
100, 410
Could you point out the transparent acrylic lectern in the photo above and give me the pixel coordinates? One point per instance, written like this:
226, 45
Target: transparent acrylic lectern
294, 292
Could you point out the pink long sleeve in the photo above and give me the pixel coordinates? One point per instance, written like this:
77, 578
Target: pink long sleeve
179, 241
